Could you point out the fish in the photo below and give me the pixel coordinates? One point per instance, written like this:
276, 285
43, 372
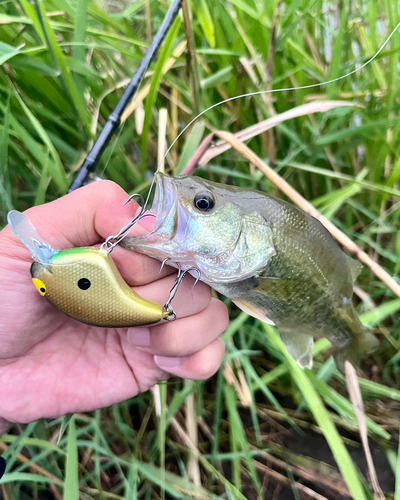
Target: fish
274, 261
84, 283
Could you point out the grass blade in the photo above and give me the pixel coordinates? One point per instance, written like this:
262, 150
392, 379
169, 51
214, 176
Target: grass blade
79, 38
323, 419
165, 52
71, 484
43, 27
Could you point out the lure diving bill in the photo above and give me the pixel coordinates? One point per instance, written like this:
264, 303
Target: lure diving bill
84, 283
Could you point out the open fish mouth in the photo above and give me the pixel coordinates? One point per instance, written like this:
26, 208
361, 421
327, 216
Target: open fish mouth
165, 197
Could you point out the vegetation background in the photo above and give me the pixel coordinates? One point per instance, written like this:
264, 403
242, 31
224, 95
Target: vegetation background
261, 428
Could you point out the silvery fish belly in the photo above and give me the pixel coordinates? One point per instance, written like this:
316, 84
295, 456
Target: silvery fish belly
273, 260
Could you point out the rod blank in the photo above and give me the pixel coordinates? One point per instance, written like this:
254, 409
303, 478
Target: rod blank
113, 121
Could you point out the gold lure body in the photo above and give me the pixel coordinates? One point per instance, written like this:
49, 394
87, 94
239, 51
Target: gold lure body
84, 283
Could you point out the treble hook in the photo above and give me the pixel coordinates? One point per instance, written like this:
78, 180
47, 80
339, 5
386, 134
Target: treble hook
112, 241
165, 261
181, 276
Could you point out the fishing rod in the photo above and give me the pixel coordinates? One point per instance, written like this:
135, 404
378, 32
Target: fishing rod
113, 121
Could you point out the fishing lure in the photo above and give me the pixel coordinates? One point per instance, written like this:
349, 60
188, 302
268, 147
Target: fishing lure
85, 284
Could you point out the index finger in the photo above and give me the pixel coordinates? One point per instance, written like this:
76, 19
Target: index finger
86, 217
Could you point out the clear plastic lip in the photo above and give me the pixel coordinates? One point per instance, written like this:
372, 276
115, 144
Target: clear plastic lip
25, 231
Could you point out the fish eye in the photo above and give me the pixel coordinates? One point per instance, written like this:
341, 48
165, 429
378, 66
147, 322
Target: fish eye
204, 202
84, 283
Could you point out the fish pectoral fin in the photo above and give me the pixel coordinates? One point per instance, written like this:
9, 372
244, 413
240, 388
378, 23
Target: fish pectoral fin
253, 311
300, 346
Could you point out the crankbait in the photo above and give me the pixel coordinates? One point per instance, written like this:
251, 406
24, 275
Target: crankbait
84, 283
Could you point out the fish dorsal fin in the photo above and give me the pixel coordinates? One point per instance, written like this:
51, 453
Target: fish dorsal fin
300, 346
25, 231
354, 266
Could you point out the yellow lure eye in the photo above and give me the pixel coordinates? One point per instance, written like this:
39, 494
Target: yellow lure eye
40, 286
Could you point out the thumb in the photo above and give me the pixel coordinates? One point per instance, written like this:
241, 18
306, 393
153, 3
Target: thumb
84, 217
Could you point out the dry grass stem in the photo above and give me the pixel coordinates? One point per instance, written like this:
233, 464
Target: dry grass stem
301, 202
139, 118
191, 427
242, 391
282, 479
155, 391
162, 138
140, 96
36, 469
358, 405
259, 128
243, 383
333, 482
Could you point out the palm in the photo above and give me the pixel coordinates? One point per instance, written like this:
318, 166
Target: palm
53, 355
51, 365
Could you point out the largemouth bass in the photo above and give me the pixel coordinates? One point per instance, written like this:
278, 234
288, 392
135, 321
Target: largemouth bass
274, 261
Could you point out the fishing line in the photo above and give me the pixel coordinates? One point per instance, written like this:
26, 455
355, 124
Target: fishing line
250, 94
270, 91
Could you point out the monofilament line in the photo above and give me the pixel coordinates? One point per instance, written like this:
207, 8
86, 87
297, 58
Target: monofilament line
270, 91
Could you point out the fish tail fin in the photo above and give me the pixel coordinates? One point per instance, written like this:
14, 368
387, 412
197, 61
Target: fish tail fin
362, 344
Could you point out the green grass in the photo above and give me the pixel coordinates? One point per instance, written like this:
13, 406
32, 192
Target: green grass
61, 61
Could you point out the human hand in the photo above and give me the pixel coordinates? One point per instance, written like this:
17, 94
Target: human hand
51, 365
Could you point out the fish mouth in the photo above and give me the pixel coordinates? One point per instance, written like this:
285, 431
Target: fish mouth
165, 197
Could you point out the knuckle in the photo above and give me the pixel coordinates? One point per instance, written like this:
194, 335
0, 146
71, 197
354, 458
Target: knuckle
107, 187
210, 363
107, 191
220, 315
171, 342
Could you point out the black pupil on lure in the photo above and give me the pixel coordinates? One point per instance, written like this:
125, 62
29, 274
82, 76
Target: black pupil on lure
203, 202
43, 290
84, 283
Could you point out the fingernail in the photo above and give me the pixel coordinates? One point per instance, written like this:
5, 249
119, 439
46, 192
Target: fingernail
139, 337
164, 362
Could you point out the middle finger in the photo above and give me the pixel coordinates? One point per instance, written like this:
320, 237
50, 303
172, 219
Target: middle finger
184, 336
